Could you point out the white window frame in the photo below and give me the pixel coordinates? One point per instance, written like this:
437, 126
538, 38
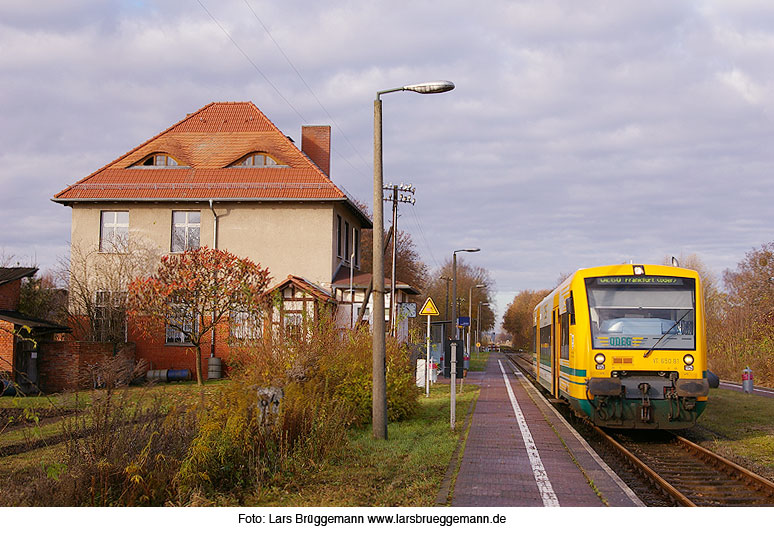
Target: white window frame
113, 235
187, 226
175, 336
245, 326
293, 327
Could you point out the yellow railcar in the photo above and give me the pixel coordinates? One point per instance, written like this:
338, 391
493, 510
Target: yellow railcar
625, 345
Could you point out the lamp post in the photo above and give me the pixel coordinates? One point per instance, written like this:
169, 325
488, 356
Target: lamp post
478, 322
379, 387
454, 288
470, 310
446, 309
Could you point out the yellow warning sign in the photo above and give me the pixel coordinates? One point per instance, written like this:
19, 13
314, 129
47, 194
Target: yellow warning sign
429, 308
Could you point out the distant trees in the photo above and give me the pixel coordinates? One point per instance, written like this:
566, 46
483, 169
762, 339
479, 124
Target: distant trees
195, 291
468, 277
518, 318
742, 333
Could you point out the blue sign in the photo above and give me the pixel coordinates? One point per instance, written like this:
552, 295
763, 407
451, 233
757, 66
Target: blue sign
463, 321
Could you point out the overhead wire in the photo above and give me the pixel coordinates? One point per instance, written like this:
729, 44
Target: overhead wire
417, 221
423, 237
249, 59
300, 77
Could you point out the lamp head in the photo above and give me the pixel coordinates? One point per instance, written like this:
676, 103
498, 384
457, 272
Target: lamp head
440, 86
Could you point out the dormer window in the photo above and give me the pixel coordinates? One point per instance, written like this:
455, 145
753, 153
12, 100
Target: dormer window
258, 159
158, 160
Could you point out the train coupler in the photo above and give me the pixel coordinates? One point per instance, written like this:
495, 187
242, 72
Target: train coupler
646, 410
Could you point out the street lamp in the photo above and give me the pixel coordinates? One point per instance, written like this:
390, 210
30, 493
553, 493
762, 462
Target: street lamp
454, 288
379, 388
446, 309
470, 310
478, 322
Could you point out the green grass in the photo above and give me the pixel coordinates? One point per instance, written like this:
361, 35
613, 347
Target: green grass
478, 360
405, 470
741, 428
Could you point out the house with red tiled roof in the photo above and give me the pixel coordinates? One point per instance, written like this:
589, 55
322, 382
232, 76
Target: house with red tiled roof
228, 178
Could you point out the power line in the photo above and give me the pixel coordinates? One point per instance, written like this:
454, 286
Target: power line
251, 61
422, 236
305, 84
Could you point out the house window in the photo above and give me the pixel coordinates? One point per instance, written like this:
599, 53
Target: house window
110, 316
185, 230
294, 324
113, 231
258, 159
338, 236
346, 241
158, 160
181, 326
246, 326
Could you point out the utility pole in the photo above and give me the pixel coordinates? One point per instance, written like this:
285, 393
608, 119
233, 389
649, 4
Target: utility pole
394, 197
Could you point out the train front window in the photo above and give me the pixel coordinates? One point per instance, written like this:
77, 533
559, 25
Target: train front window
632, 312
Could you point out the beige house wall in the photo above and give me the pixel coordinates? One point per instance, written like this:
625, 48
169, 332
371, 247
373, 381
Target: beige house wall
296, 238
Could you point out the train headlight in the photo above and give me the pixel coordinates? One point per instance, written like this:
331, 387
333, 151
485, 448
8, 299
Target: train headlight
639, 270
688, 359
599, 358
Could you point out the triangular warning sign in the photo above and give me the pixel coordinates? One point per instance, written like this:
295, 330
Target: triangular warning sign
429, 308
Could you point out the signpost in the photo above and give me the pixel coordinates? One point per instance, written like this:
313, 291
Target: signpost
428, 309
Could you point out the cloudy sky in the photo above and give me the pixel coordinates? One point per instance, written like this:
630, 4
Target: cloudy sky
579, 134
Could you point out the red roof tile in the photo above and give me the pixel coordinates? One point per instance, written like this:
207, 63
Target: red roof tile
206, 143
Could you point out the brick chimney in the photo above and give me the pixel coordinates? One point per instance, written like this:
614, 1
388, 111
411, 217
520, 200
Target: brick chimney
316, 143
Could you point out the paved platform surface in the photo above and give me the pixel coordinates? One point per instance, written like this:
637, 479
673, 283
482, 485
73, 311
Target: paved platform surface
520, 452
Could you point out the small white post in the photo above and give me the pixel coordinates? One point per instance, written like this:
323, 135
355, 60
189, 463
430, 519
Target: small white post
452, 410
427, 363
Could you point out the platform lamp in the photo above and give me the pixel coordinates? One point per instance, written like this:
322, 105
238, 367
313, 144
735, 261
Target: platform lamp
379, 388
470, 310
454, 287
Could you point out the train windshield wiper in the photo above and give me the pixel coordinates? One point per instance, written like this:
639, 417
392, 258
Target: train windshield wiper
665, 334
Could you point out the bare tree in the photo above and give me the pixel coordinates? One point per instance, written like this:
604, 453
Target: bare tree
97, 285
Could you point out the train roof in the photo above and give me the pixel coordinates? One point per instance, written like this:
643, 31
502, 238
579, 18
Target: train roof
620, 269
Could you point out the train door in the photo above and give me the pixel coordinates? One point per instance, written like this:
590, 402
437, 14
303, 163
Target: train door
555, 351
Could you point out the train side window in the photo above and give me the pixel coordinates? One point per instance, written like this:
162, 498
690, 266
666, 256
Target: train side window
545, 345
535, 340
564, 332
570, 305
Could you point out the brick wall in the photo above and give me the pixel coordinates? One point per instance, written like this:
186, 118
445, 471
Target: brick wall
62, 364
316, 143
9, 295
151, 347
6, 348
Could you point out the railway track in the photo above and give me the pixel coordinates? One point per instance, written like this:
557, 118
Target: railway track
688, 474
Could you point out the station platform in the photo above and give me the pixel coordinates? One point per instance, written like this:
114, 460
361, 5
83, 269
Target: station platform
521, 452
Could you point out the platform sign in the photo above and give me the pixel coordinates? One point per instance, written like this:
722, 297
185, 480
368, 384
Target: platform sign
407, 309
429, 308
463, 321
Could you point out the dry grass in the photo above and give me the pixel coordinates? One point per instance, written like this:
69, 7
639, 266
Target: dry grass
740, 427
405, 470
